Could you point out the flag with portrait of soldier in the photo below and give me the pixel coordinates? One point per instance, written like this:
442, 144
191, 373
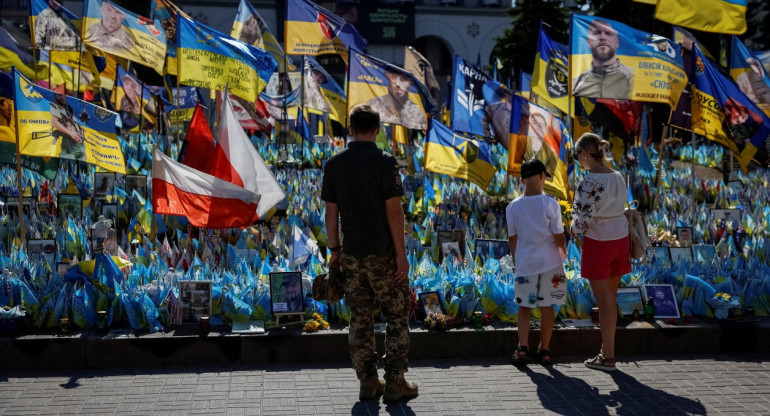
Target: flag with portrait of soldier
134, 102
57, 125
724, 114
321, 91
117, 31
312, 30
250, 28
390, 90
750, 75
53, 27
611, 60
537, 134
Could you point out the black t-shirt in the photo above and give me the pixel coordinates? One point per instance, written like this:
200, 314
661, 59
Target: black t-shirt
359, 179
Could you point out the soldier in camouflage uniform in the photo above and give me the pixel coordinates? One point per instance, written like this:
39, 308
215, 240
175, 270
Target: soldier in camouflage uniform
109, 34
362, 186
395, 106
53, 31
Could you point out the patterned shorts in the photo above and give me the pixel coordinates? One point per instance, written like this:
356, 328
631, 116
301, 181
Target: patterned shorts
544, 289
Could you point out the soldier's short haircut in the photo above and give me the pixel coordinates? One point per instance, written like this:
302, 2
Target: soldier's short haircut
363, 119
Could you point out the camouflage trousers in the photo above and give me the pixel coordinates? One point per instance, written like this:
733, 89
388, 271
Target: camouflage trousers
369, 281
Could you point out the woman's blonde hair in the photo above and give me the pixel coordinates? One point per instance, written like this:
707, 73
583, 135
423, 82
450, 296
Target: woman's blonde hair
597, 147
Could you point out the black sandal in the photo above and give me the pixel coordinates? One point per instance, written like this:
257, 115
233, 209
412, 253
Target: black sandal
520, 356
544, 357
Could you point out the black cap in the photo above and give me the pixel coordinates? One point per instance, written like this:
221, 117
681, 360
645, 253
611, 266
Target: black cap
533, 167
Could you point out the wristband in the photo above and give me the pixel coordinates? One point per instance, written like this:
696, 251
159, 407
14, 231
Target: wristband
333, 249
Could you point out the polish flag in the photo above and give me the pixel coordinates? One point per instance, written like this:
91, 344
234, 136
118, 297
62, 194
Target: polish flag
198, 143
208, 202
237, 161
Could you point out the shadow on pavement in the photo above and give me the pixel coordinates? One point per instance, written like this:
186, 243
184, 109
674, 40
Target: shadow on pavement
372, 407
567, 395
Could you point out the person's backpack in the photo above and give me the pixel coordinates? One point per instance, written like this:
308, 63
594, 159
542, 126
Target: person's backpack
637, 233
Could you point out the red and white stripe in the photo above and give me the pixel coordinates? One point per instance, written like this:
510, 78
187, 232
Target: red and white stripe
207, 201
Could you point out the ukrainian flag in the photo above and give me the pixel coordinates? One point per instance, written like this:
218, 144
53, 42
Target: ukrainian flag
536, 134
258, 34
13, 55
66, 36
722, 113
312, 30
64, 69
210, 59
61, 126
144, 99
549, 78
459, 155
166, 12
369, 82
331, 91
718, 16
138, 39
525, 84
747, 70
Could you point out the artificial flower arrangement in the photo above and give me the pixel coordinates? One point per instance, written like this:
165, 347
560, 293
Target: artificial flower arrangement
315, 324
722, 302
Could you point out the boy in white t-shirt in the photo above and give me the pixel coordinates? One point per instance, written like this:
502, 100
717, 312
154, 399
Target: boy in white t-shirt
536, 239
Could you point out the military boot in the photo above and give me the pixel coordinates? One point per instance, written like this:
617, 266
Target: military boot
396, 388
371, 388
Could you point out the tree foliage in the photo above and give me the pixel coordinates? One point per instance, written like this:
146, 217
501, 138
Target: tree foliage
517, 47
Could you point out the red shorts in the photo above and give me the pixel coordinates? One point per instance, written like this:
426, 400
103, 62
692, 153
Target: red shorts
605, 259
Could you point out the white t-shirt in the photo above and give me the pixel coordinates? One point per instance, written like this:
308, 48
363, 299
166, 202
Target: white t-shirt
534, 220
597, 211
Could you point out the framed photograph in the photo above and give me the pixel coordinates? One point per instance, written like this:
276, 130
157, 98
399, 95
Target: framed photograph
110, 212
69, 205
104, 182
630, 298
61, 268
681, 253
286, 293
732, 216
450, 236
451, 249
194, 299
42, 249
684, 235
12, 205
664, 298
138, 183
735, 185
431, 302
496, 248
659, 254
704, 252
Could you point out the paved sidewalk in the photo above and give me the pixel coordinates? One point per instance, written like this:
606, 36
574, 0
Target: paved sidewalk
680, 384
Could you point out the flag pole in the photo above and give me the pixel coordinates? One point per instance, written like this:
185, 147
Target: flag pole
18, 171
141, 109
80, 59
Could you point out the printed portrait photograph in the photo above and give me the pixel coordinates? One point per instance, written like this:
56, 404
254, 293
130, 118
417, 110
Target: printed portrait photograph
286, 292
138, 183
684, 235
664, 298
42, 249
431, 303
194, 299
110, 212
69, 205
104, 183
630, 299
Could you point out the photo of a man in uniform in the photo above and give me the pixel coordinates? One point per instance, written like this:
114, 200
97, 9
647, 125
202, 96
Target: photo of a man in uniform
53, 31
67, 129
313, 96
395, 106
251, 32
287, 297
497, 120
542, 141
109, 34
608, 77
131, 103
739, 123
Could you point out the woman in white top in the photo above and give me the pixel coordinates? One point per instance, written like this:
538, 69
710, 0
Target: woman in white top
597, 213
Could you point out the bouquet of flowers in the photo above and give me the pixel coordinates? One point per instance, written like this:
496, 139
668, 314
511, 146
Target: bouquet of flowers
566, 213
722, 302
312, 325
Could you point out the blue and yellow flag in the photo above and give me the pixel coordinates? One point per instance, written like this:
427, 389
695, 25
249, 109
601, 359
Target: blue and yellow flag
472, 92
722, 113
13, 55
459, 155
611, 60
57, 125
310, 29
525, 84
549, 78
181, 109
117, 31
133, 101
747, 70
537, 134
687, 40
210, 59
250, 28
275, 104
53, 28
67, 69
764, 57
322, 93
393, 92
718, 16
165, 11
